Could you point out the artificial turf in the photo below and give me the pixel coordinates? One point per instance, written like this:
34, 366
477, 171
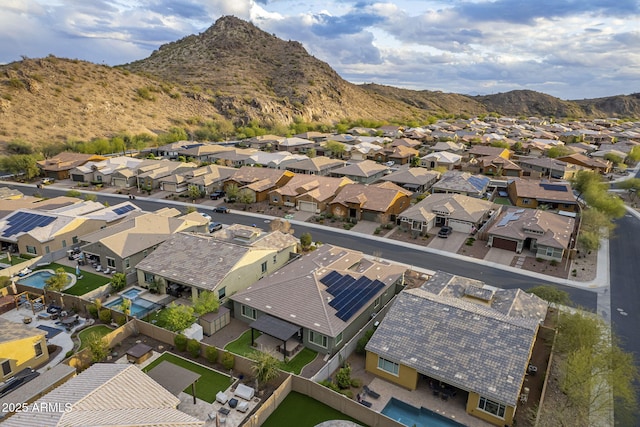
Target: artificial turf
101, 330
88, 283
298, 410
210, 382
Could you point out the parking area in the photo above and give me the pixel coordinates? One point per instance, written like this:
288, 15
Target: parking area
450, 244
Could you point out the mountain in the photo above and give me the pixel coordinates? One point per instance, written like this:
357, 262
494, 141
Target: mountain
232, 71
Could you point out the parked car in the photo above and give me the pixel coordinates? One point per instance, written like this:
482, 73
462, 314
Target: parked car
47, 181
221, 209
217, 194
444, 232
205, 216
214, 226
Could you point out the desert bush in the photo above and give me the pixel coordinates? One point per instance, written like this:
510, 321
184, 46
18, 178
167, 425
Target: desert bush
180, 341
193, 346
105, 315
211, 354
228, 360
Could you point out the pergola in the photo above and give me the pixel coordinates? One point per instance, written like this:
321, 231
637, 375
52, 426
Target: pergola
174, 378
276, 328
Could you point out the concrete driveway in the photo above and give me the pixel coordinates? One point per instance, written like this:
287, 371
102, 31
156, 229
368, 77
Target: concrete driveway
449, 244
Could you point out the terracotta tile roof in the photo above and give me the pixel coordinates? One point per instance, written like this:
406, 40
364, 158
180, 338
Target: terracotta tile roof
366, 168
456, 206
369, 197
548, 228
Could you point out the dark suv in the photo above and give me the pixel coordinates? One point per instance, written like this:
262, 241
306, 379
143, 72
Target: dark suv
217, 194
221, 209
444, 232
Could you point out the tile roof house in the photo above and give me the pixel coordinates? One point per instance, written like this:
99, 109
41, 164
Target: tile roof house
548, 235
275, 160
376, 202
103, 171
259, 180
462, 213
306, 296
363, 150
225, 262
413, 179
208, 178
486, 150
295, 145
400, 154
21, 347
439, 159
450, 146
150, 175
107, 394
308, 193
58, 166
321, 166
527, 193
544, 167
462, 183
236, 157
364, 172
596, 165
469, 336
493, 165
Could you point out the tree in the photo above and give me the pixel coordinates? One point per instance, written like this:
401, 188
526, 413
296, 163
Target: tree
266, 367
517, 147
21, 164
336, 148
551, 294
194, 192
232, 192
206, 302
311, 153
177, 318
74, 193
584, 180
125, 306
558, 151
228, 360
58, 281
118, 282
246, 196
98, 347
305, 240
613, 158
634, 154
191, 209
415, 161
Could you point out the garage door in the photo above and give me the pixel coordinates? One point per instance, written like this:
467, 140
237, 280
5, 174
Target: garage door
461, 226
307, 206
500, 243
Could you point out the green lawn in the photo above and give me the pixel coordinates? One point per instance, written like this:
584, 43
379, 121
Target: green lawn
102, 330
88, 283
242, 346
298, 410
208, 385
502, 201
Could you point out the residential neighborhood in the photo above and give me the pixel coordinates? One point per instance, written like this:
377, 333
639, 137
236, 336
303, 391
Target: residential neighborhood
187, 284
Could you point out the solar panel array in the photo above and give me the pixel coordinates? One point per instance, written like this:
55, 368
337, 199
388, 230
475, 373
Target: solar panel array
479, 182
124, 209
23, 222
554, 187
350, 294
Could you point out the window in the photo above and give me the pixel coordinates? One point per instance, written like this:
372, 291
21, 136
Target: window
249, 312
127, 263
38, 348
145, 253
494, 408
264, 267
111, 262
64, 243
525, 201
550, 251
376, 303
75, 240
148, 277
275, 259
318, 339
222, 292
6, 368
388, 366
31, 250
339, 338
47, 250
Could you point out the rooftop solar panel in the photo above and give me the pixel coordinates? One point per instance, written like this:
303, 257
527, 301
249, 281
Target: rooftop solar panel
331, 278
341, 284
123, 209
554, 187
360, 300
23, 222
346, 298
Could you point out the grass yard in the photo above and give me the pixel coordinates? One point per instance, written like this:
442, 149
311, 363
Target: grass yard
210, 382
502, 201
298, 410
242, 346
88, 283
101, 330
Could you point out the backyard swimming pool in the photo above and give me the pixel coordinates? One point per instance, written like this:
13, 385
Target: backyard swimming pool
139, 306
412, 416
38, 279
132, 293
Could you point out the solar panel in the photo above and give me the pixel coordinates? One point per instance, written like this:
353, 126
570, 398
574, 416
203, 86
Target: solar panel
554, 187
350, 294
23, 222
340, 285
360, 300
123, 209
331, 278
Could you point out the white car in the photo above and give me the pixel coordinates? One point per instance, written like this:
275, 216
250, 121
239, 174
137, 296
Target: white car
205, 216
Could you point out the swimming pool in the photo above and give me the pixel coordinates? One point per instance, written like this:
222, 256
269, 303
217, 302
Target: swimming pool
38, 279
412, 416
132, 293
139, 306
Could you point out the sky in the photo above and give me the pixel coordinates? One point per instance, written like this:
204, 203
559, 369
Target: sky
571, 49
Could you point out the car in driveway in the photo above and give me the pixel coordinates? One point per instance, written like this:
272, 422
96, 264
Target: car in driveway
444, 232
217, 195
214, 226
205, 216
221, 209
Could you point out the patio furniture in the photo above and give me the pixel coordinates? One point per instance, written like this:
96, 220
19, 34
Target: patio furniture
243, 406
244, 392
224, 411
233, 403
365, 403
26, 320
370, 392
222, 397
98, 268
107, 271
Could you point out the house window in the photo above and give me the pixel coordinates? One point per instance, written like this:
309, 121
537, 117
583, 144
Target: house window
145, 253
318, 339
74, 239
6, 368
47, 250
525, 201
264, 267
148, 277
222, 292
111, 262
494, 408
38, 348
388, 366
376, 303
64, 243
31, 250
249, 312
127, 263
275, 259
339, 338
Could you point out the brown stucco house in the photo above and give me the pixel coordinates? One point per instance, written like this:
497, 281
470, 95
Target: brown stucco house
370, 202
58, 166
259, 180
534, 193
308, 193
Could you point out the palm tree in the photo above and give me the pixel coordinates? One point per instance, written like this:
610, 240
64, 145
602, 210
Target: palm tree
266, 367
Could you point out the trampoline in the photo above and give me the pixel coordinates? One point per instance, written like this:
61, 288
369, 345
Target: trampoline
51, 332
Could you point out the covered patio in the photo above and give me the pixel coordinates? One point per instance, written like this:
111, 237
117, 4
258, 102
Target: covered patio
278, 336
174, 378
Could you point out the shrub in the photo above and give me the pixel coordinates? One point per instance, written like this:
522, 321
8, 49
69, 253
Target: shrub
93, 310
470, 241
539, 259
121, 320
180, 342
193, 346
554, 262
347, 393
356, 382
362, 342
378, 230
105, 315
211, 353
330, 385
343, 377
228, 360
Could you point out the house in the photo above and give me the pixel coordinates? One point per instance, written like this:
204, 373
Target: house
263, 142
21, 347
295, 145
462, 213
236, 157
400, 154
370, 202
202, 152
320, 300
225, 262
493, 165
441, 159
102, 171
462, 183
468, 336
150, 175
277, 160
533, 193
416, 180
548, 235
365, 172
487, 150
58, 166
545, 167
322, 166
308, 193
121, 246
9, 206
449, 146
107, 394
259, 180
597, 165
206, 178
363, 150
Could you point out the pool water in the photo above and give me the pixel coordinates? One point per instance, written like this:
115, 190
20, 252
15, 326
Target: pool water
139, 306
412, 416
37, 279
132, 293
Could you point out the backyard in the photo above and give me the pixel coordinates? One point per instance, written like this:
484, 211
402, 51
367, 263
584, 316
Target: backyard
298, 410
101, 330
242, 346
210, 382
88, 283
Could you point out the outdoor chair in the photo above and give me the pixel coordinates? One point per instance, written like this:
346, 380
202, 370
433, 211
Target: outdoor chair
222, 397
370, 392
